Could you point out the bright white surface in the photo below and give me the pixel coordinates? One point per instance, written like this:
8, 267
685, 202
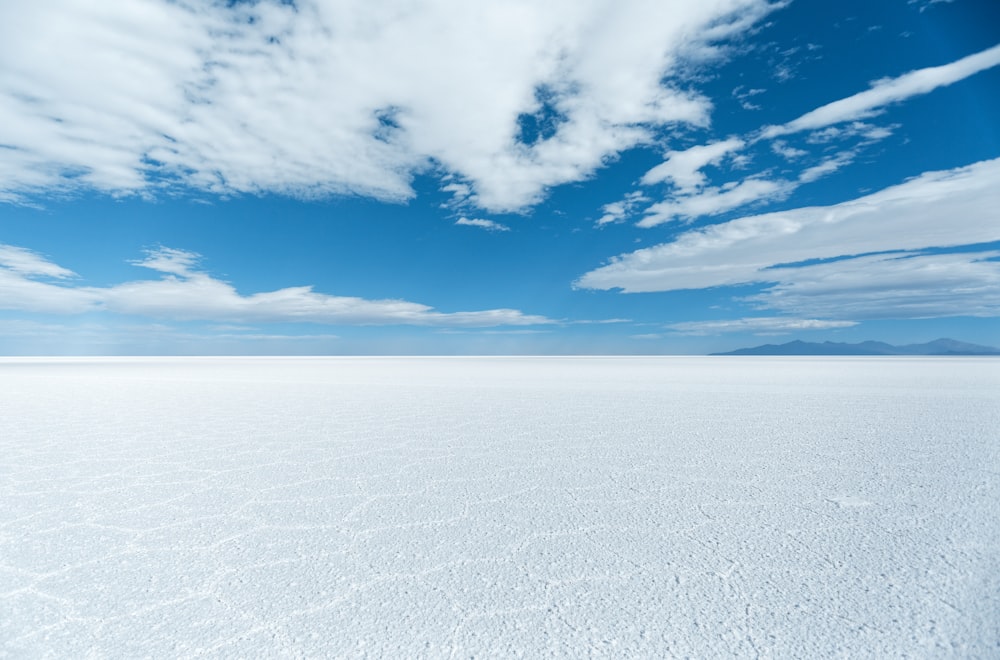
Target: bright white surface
405, 507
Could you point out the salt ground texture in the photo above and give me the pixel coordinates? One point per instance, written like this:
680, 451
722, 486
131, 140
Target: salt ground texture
412, 507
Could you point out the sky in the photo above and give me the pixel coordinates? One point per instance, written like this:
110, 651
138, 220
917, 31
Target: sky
517, 177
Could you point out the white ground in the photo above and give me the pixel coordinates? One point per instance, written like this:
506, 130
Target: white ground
405, 507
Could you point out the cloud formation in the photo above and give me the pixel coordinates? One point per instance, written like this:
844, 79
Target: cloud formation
683, 168
887, 91
776, 248
316, 97
757, 325
185, 293
690, 198
715, 200
907, 285
488, 225
618, 211
25, 262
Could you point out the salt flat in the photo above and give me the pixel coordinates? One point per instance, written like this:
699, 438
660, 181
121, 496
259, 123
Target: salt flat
410, 507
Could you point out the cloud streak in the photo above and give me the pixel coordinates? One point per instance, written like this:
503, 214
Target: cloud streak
757, 325
716, 200
185, 293
683, 168
943, 209
887, 91
909, 285
488, 225
907, 216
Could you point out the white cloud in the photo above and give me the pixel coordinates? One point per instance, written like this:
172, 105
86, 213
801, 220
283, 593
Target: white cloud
876, 133
20, 288
689, 197
683, 168
693, 201
488, 225
26, 262
787, 152
757, 325
937, 209
827, 166
891, 286
259, 337
169, 260
925, 4
614, 212
868, 133
451, 331
712, 201
187, 294
323, 97
887, 91
743, 95
618, 211
18, 292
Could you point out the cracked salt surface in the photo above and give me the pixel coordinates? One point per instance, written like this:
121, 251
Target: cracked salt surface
409, 507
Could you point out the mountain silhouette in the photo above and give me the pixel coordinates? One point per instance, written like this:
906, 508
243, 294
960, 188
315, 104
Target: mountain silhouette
942, 346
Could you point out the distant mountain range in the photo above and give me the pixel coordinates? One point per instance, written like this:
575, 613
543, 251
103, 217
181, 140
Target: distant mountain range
936, 347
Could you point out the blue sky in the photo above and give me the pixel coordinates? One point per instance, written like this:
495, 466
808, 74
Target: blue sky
181, 177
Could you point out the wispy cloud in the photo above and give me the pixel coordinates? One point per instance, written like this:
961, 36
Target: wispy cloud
488, 225
887, 91
788, 153
757, 325
856, 129
618, 211
683, 168
688, 197
519, 331
925, 4
696, 202
25, 284
743, 95
691, 197
25, 262
715, 200
268, 96
185, 293
907, 285
170, 260
935, 210
827, 166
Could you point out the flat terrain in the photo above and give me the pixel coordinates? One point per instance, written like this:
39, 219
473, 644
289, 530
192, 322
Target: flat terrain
408, 507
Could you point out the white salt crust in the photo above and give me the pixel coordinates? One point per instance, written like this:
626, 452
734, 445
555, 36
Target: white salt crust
459, 507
